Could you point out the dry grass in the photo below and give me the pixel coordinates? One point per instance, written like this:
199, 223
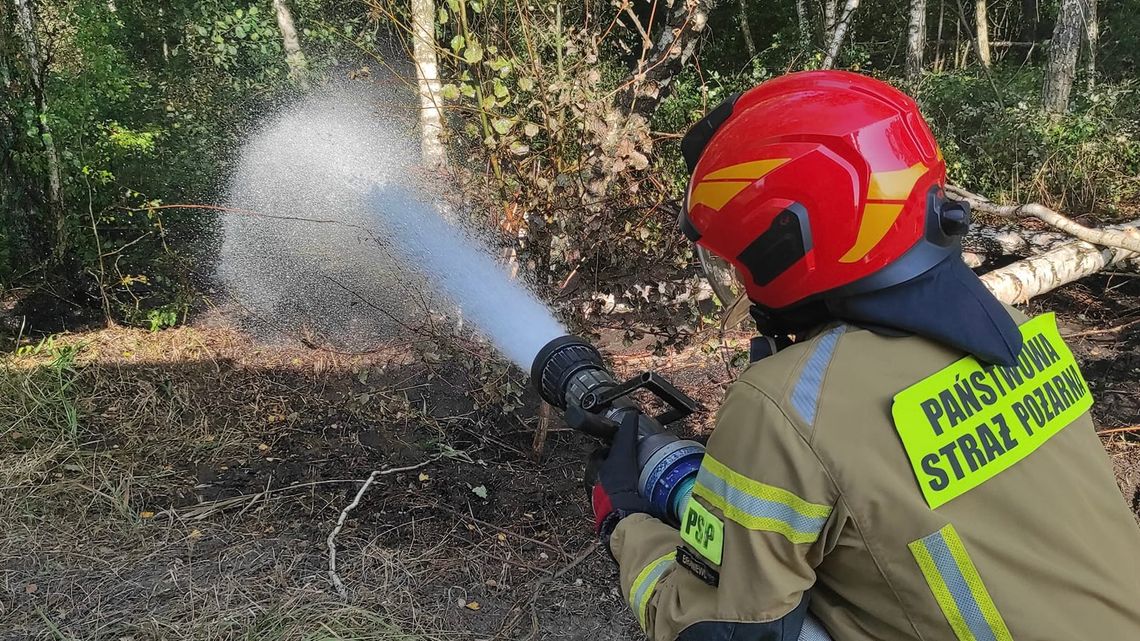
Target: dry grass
179, 485
96, 428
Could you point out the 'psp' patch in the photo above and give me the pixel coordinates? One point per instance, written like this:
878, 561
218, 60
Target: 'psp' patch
704, 531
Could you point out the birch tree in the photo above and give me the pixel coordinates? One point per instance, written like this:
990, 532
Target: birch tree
915, 40
1092, 37
674, 47
804, 25
1064, 49
982, 31
841, 26
294, 56
34, 61
427, 77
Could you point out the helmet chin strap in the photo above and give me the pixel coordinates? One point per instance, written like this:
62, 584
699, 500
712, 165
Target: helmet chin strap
796, 320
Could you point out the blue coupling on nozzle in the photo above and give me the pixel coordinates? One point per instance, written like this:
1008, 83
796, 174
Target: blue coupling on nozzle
668, 478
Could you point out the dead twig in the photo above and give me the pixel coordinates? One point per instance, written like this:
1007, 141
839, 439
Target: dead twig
331, 541
545, 413
1107, 330
1119, 430
506, 629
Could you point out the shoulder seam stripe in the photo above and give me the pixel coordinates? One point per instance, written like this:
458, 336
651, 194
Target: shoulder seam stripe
805, 393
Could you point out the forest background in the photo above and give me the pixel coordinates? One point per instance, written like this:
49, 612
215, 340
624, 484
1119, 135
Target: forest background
179, 463
560, 120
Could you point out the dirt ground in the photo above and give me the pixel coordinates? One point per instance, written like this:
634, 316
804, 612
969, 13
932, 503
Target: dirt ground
184, 484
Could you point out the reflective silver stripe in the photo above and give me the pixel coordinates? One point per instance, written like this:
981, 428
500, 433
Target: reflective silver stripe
759, 506
646, 582
956, 583
958, 588
805, 394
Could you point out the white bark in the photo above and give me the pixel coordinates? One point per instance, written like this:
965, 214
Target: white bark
839, 33
1106, 237
294, 56
805, 29
828, 18
1092, 37
1045, 272
427, 76
1064, 49
982, 28
1011, 241
676, 43
915, 40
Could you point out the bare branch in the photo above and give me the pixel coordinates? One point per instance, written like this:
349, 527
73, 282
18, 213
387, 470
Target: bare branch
1105, 237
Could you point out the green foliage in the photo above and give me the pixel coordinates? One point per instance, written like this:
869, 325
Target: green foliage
146, 105
40, 398
1086, 160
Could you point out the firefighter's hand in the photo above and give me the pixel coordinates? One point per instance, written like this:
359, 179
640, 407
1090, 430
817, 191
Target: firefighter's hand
611, 479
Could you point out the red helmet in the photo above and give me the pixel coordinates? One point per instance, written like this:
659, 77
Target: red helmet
819, 184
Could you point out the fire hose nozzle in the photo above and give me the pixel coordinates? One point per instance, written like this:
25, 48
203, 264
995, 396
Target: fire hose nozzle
570, 374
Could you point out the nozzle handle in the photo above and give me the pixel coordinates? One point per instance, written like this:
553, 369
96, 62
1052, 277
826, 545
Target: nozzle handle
681, 404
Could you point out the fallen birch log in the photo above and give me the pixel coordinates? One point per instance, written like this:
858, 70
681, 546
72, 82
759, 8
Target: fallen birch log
1011, 240
1066, 263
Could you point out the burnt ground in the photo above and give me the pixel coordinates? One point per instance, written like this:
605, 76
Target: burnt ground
183, 484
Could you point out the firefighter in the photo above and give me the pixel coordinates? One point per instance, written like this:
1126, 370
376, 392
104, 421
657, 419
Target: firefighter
920, 462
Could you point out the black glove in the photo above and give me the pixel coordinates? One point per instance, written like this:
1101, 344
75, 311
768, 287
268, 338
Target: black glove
611, 480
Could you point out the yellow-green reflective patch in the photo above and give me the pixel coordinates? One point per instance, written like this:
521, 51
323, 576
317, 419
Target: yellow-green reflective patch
969, 422
958, 588
702, 530
646, 583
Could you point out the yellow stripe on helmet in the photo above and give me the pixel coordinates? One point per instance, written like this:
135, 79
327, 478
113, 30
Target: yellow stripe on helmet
754, 170
722, 185
894, 185
877, 220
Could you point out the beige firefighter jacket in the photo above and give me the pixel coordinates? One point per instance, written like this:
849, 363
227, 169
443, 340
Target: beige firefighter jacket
814, 489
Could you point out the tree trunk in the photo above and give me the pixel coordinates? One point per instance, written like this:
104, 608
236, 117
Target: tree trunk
427, 75
294, 56
1092, 37
982, 27
746, 31
1064, 49
655, 72
828, 19
37, 75
1029, 20
804, 25
1020, 281
938, 44
839, 33
915, 40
